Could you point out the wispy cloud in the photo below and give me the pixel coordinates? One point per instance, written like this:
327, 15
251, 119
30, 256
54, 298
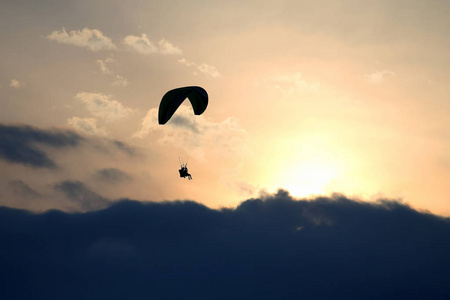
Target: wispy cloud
20, 189
379, 76
166, 47
103, 106
206, 69
16, 84
112, 176
107, 68
226, 136
142, 44
92, 39
79, 193
120, 81
290, 83
86, 126
104, 65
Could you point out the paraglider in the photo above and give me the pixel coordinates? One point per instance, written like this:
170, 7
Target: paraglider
184, 171
173, 99
170, 103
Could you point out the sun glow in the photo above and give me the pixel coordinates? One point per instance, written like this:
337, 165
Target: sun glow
311, 177
308, 166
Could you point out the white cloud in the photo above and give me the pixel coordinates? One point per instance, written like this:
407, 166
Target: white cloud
140, 44
183, 61
103, 106
379, 76
148, 124
226, 136
16, 84
86, 125
103, 64
120, 81
92, 39
105, 67
165, 47
143, 45
206, 69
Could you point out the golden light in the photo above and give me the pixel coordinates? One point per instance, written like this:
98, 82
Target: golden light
310, 177
308, 166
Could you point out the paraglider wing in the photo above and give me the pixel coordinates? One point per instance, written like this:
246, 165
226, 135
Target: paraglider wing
173, 99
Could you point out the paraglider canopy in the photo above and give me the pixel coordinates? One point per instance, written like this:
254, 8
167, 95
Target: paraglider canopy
173, 99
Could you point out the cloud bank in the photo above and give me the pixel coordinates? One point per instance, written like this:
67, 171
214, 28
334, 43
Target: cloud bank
272, 247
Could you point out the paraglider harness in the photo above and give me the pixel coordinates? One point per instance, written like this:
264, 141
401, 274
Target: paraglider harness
184, 171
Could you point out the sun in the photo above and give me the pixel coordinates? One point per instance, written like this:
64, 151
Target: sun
311, 177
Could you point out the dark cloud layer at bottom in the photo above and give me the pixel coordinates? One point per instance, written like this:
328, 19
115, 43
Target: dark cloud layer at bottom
271, 248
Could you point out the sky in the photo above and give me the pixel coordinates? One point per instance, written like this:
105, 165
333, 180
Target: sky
314, 97
320, 166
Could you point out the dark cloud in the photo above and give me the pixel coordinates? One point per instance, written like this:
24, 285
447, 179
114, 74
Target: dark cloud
25, 144
124, 147
22, 190
78, 192
112, 175
270, 248
20, 144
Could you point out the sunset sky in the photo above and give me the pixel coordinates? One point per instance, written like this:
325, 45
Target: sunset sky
321, 166
313, 97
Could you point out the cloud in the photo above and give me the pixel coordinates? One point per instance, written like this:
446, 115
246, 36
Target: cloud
244, 188
32, 146
92, 39
21, 190
166, 47
20, 144
86, 126
103, 106
110, 249
290, 83
104, 65
105, 68
183, 61
271, 247
16, 84
206, 69
143, 45
140, 44
148, 124
226, 136
77, 192
120, 81
379, 76
112, 176
125, 148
